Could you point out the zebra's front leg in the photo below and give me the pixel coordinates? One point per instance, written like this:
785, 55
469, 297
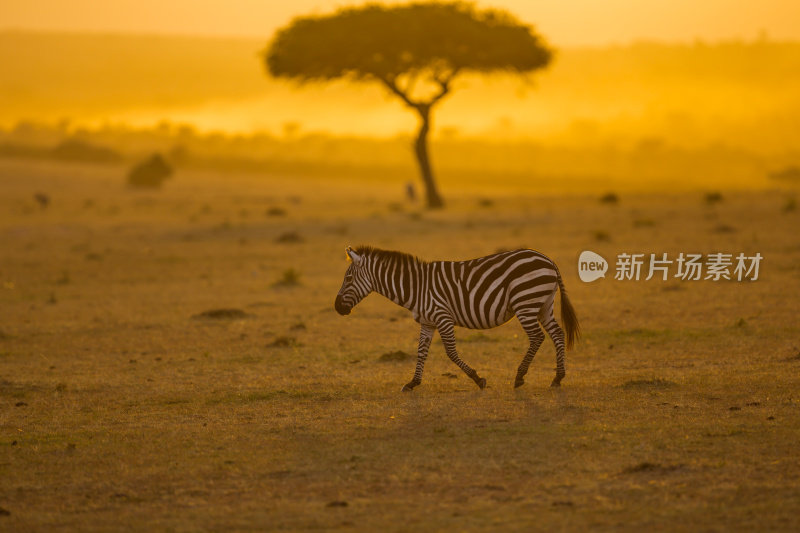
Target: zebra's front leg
536, 336
425, 336
449, 339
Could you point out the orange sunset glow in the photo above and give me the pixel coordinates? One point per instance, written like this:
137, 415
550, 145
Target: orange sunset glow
399, 266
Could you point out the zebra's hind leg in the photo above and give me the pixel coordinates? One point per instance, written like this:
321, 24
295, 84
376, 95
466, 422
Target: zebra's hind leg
557, 335
449, 340
531, 326
425, 336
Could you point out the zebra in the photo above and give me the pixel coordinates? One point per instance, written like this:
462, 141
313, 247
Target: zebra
480, 293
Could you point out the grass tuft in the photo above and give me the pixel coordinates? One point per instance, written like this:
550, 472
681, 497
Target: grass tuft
393, 357
602, 236
276, 212
655, 383
283, 342
289, 278
290, 237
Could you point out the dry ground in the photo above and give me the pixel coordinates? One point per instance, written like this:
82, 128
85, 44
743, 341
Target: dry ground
119, 411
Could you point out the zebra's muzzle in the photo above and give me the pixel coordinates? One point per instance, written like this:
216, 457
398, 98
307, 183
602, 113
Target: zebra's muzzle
341, 307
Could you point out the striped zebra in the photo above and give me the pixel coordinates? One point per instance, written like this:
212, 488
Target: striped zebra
479, 294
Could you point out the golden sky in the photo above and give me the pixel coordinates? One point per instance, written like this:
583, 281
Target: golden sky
562, 22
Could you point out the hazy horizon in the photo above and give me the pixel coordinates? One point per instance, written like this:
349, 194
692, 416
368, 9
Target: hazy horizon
741, 93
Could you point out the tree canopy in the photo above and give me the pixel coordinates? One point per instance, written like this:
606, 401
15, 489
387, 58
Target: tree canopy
415, 50
386, 42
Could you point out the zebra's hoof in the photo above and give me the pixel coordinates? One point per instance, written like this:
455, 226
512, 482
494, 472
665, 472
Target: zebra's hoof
481, 382
408, 387
519, 382
556, 382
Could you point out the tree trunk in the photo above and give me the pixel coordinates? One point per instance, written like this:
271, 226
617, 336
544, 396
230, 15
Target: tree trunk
434, 200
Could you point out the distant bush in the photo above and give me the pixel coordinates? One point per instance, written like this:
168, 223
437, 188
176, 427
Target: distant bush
289, 237
151, 172
20, 150
276, 212
609, 198
713, 198
643, 223
790, 174
81, 151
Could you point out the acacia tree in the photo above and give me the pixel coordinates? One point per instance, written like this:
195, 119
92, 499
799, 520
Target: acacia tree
414, 50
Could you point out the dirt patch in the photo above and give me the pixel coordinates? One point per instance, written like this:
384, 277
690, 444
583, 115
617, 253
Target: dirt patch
391, 357
656, 383
652, 468
222, 314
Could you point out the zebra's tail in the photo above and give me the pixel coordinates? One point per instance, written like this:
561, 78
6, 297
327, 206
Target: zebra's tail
568, 316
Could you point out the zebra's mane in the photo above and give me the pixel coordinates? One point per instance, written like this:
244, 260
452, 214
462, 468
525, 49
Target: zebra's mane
386, 254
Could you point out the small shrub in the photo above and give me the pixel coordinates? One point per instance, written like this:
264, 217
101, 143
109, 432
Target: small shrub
602, 236
283, 342
276, 212
42, 199
609, 198
150, 173
712, 198
643, 223
790, 205
289, 278
289, 237
485, 202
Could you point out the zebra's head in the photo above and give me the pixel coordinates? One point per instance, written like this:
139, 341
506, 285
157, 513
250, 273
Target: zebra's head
356, 285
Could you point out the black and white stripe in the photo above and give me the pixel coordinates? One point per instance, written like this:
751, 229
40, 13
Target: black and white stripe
479, 294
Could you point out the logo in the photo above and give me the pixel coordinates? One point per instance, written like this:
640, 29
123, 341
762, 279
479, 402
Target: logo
591, 266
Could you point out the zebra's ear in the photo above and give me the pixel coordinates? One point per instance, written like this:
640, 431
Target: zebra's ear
353, 256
